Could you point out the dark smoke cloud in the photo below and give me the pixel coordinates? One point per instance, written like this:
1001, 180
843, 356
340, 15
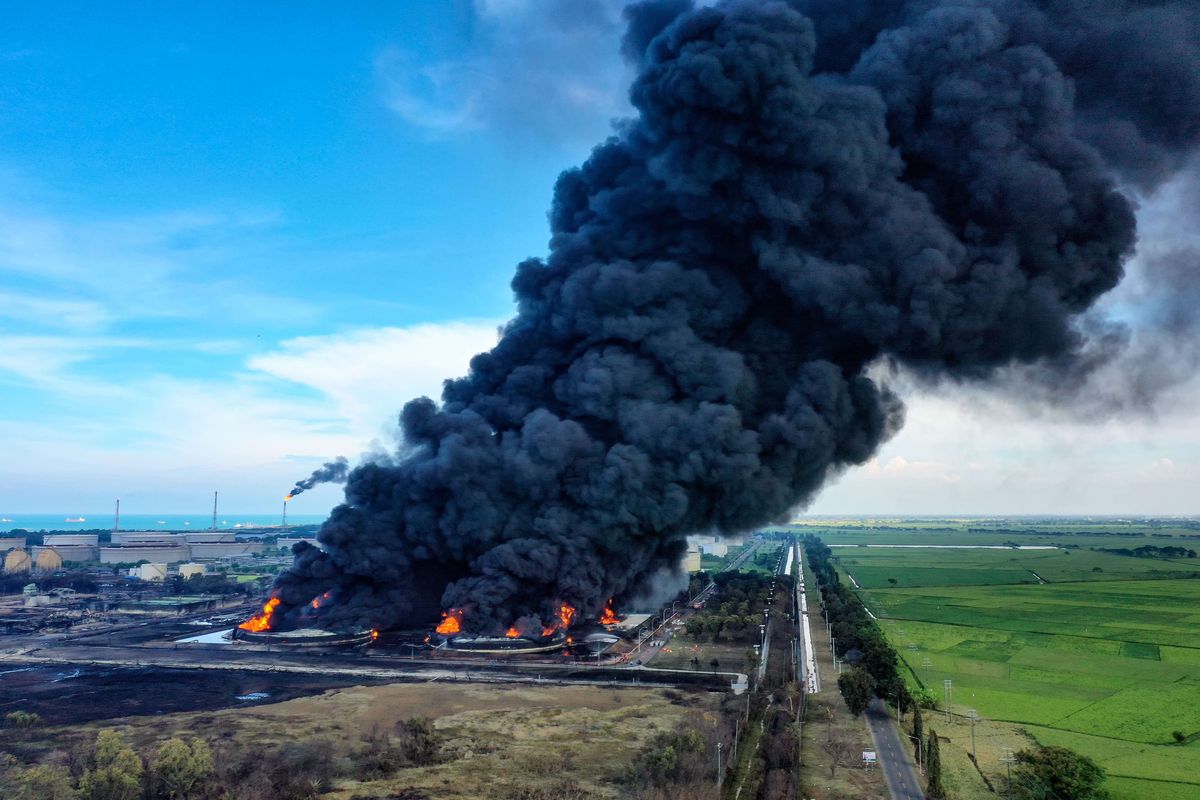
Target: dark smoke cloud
335, 471
1134, 367
794, 203
1134, 65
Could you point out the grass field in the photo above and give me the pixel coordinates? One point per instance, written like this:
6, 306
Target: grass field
1093, 651
496, 737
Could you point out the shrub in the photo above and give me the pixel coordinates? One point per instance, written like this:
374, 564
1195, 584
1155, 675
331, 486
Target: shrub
22, 719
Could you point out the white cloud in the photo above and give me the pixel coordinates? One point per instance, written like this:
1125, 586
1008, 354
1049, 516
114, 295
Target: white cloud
545, 72
369, 374
59, 271
438, 97
965, 450
250, 433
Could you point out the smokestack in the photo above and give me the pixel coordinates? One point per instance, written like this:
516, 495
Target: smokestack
809, 189
117, 517
283, 522
214, 518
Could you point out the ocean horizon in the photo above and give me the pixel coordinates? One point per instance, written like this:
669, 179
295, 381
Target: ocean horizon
103, 520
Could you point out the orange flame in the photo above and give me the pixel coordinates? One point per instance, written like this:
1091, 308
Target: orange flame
288, 497
451, 622
262, 622
316, 601
374, 635
566, 614
609, 617
512, 633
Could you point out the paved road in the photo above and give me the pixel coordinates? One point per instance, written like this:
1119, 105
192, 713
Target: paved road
902, 780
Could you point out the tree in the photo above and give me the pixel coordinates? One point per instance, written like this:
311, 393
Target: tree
933, 768
43, 782
183, 771
841, 750
1057, 772
115, 772
857, 689
22, 719
419, 741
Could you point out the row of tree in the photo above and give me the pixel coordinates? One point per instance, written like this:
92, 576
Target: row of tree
734, 614
111, 769
858, 640
1150, 551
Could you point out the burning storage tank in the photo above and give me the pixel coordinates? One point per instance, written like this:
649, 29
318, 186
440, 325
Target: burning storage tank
506, 645
451, 634
260, 629
305, 637
566, 633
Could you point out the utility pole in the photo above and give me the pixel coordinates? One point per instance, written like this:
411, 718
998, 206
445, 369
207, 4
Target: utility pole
920, 749
719, 776
948, 687
1006, 755
973, 715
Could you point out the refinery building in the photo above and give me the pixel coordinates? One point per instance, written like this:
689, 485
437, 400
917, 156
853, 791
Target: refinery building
128, 547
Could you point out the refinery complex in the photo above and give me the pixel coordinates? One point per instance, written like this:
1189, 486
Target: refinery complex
195, 599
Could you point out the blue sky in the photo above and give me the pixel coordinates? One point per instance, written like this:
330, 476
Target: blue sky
235, 238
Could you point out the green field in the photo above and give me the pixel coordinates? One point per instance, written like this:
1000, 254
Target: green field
1090, 650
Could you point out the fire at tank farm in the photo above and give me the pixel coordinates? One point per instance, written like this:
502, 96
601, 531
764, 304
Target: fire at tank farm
211, 615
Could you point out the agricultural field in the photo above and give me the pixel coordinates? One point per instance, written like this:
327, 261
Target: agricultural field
882, 567
998, 532
1094, 651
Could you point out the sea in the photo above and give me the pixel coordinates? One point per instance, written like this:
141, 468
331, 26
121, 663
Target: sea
103, 520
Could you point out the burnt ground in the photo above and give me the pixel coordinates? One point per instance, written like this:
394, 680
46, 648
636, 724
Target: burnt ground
66, 694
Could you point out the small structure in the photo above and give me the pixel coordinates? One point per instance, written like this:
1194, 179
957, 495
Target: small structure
190, 569
149, 572
628, 623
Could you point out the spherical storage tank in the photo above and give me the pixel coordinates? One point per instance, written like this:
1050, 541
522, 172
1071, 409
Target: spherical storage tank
17, 561
48, 559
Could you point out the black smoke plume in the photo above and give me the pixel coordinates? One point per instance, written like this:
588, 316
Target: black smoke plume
808, 189
335, 471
